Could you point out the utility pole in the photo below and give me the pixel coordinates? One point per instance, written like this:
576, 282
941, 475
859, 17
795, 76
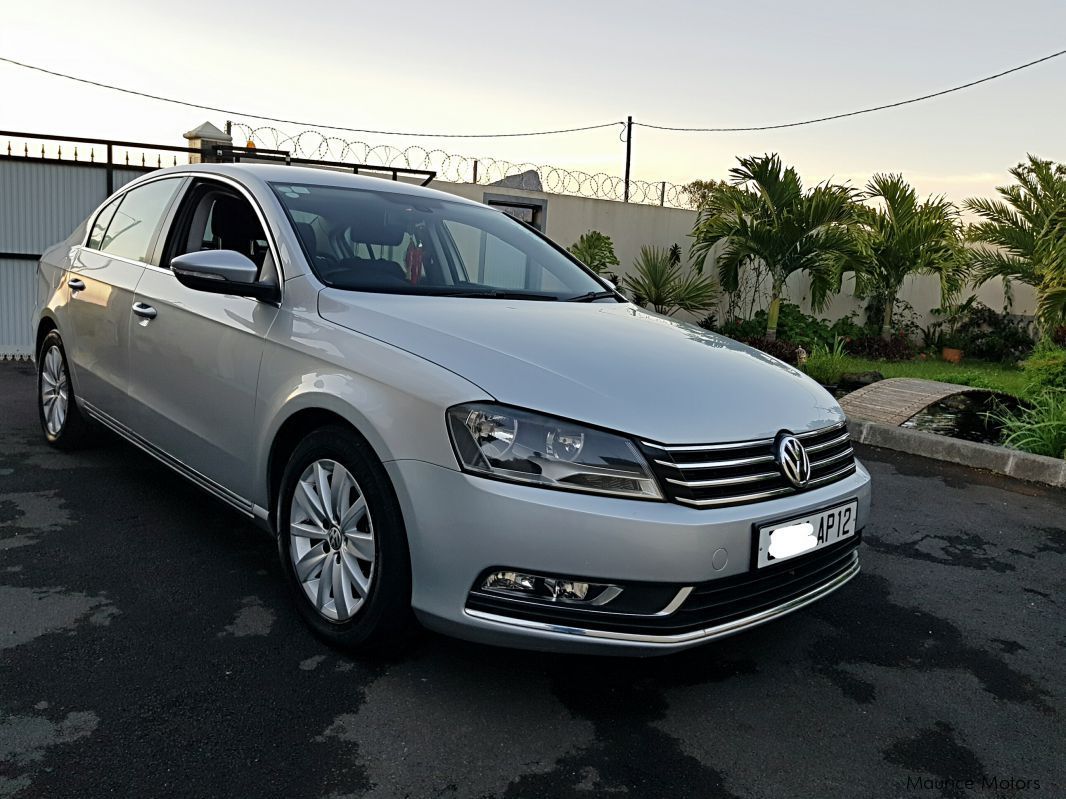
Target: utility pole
629, 156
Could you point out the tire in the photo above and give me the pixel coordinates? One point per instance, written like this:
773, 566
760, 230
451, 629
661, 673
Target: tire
359, 539
62, 422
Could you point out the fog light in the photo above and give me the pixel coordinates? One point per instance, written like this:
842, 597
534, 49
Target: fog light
510, 581
550, 589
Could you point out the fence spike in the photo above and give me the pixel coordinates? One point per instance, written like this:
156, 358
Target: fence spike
158, 160
142, 159
75, 152
127, 157
92, 154
42, 149
59, 149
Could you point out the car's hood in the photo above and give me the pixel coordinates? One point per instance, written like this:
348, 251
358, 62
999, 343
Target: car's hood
609, 364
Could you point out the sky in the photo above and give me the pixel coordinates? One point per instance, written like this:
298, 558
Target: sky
475, 66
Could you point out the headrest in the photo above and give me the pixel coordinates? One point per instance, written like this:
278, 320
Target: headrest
233, 216
374, 226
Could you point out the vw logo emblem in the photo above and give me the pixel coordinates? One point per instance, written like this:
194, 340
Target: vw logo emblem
792, 460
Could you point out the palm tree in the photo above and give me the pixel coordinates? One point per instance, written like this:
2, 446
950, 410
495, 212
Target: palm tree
765, 215
902, 237
1023, 235
595, 250
660, 281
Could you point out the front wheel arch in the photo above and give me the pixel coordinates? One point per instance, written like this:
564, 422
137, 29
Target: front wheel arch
289, 435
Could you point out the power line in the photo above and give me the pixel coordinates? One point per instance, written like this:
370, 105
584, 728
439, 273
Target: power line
306, 124
861, 111
539, 132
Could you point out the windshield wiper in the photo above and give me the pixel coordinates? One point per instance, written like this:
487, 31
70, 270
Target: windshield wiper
499, 294
591, 296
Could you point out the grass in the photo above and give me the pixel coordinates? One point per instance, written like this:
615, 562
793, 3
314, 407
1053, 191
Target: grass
979, 374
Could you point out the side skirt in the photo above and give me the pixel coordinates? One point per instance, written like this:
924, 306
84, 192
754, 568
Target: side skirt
206, 483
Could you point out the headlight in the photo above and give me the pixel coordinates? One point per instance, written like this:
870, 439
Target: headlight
525, 447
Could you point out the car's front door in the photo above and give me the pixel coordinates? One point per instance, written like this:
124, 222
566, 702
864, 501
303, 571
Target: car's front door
101, 283
194, 360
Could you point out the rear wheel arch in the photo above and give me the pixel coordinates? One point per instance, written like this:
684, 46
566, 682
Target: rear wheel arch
44, 327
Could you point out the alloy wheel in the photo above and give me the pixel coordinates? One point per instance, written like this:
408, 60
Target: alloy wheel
331, 540
55, 390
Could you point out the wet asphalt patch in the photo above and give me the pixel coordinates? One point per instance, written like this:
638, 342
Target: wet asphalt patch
148, 648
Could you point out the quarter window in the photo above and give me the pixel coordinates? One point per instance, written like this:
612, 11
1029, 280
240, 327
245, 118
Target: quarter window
132, 227
103, 219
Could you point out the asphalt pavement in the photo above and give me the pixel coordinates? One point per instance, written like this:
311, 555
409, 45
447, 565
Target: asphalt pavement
148, 649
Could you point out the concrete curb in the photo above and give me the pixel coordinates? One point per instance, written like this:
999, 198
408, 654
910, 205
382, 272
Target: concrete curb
1009, 462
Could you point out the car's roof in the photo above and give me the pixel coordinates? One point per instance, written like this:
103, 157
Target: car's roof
274, 173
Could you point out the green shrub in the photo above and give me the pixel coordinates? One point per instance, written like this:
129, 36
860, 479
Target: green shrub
825, 364
792, 325
1045, 369
1039, 428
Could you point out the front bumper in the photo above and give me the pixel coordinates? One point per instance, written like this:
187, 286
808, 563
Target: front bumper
460, 525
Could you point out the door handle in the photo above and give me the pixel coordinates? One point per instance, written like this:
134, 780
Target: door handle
145, 311
76, 285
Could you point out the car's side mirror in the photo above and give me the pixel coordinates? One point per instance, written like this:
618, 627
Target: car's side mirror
221, 272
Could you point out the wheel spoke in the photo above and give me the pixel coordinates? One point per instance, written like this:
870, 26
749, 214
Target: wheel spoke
354, 514
341, 487
308, 501
324, 493
361, 544
325, 582
304, 530
309, 563
359, 580
342, 593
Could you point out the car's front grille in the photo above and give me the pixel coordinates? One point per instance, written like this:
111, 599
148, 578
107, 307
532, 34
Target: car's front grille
708, 605
714, 475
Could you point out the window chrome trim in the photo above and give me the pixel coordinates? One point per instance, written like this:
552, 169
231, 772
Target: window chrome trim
707, 634
201, 175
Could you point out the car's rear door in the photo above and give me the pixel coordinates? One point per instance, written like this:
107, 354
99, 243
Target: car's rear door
194, 360
101, 283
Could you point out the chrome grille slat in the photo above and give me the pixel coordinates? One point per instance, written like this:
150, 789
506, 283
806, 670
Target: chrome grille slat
726, 481
827, 444
737, 472
719, 464
849, 452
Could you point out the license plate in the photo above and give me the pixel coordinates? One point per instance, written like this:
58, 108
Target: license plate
790, 539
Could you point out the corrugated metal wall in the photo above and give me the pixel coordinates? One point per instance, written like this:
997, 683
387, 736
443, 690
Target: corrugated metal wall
40, 204
17, 281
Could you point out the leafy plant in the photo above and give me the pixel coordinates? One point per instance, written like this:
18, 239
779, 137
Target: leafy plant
667, 286
1023, 235
792, 325
827, 364
989, 335
782, 350
897, 348
767, 217
903, 236
1045, 369
595, 250
1039, 428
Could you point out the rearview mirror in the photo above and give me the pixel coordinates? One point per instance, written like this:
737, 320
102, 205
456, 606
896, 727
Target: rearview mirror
221, 272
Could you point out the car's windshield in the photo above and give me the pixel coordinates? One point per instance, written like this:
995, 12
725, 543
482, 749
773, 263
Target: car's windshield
366, 240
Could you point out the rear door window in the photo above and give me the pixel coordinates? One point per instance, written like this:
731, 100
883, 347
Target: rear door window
133, 226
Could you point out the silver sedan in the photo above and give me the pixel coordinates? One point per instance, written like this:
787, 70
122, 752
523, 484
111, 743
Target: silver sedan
443, 417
